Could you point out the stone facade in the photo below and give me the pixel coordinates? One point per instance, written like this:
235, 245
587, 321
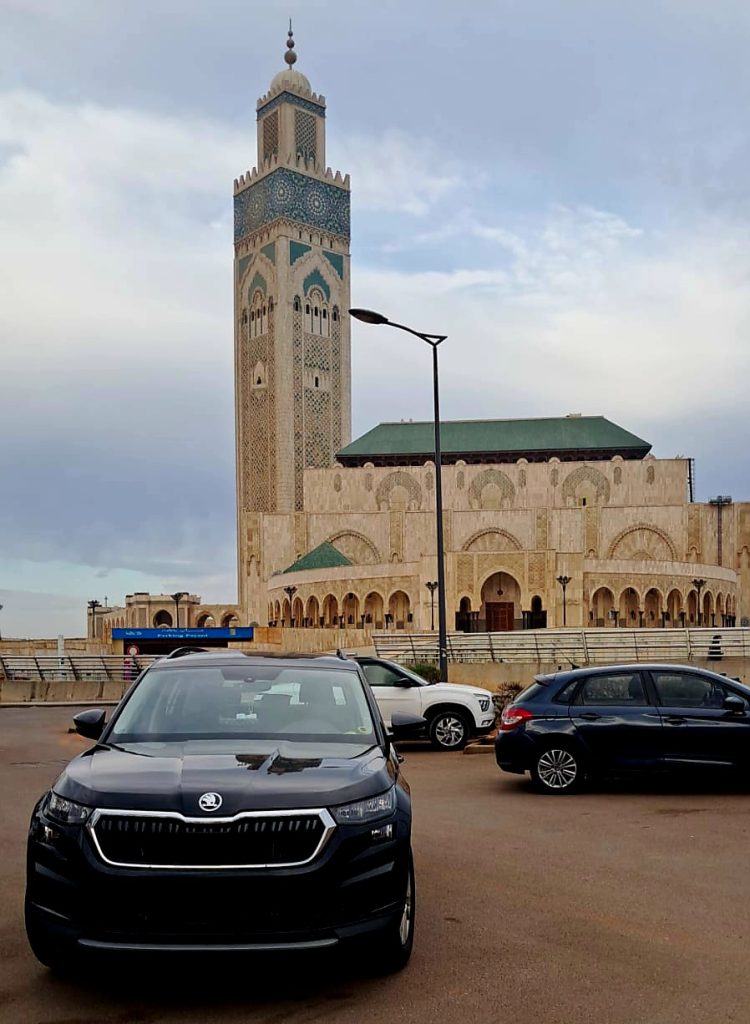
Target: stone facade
622, 530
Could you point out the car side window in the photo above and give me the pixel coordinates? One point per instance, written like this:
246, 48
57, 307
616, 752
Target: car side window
379, 675
686, 690
616, 689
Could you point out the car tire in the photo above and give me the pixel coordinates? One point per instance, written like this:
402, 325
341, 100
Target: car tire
449, 730
393, 948
558, 769
51, 952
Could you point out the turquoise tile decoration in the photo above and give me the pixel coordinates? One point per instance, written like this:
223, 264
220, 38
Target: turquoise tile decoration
296, 250
297, 101
316, 278
242, 265
336, 260
298, 197
269, 251
258, 281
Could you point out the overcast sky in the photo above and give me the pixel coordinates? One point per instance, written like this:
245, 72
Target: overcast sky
561, 186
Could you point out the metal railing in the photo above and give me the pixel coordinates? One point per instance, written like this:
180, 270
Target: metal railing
570, 646
74, 668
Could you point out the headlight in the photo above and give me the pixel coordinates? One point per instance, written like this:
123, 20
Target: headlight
66, 811
363, 811
484, 702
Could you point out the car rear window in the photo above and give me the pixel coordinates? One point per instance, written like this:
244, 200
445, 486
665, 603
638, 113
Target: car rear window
531, 692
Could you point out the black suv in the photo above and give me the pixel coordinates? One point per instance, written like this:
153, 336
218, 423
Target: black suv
571, 725
231, 803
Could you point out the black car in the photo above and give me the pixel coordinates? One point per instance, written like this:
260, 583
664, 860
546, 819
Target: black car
232, 803
572, 725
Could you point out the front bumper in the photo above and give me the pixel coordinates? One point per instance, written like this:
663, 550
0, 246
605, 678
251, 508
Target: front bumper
354, 887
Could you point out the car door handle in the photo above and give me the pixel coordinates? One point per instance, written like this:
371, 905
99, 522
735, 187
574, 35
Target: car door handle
589, 716
675, 720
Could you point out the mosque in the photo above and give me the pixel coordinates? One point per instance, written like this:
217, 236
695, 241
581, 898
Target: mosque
335, 532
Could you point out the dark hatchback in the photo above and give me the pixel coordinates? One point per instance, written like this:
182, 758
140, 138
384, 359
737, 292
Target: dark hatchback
232, 803
573, 725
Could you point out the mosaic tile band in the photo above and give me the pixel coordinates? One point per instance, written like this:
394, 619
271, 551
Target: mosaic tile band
298, 101
287, 193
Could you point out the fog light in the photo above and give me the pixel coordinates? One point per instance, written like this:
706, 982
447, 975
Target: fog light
384, 832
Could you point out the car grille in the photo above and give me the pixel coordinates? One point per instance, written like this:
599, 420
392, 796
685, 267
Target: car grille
172, 841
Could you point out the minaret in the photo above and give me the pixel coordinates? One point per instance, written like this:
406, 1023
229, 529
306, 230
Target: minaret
292, 351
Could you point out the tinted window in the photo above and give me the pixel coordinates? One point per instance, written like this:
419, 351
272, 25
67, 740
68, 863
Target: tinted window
381, 675
256, 701
623, 688
566, 694
685, 690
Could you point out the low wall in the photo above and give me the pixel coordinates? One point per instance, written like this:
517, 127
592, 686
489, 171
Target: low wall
13, 691
494, 675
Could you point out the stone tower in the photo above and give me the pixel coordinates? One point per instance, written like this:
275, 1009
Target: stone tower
292, 347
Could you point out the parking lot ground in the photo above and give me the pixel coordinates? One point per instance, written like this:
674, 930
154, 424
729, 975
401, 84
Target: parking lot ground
626, 905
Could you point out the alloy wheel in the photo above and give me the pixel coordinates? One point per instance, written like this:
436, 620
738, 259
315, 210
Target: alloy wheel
449, 731
557, 769
404, 930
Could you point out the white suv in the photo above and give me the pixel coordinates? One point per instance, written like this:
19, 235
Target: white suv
454, 713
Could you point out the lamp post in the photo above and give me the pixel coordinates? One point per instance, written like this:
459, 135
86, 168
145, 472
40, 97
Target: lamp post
432, 587
290, 592
177, 598
699, 585
93, 605
367, 316
564, 581
1, 608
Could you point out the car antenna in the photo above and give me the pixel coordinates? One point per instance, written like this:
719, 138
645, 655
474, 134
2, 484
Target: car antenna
340, 654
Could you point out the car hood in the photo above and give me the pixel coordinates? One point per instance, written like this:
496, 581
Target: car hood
456, 690
267, 775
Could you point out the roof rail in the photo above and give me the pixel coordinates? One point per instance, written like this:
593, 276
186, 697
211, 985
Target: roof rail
180, 652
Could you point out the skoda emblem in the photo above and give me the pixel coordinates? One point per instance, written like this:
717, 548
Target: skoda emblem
210, 801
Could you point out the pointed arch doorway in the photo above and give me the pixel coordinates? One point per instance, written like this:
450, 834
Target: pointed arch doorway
501, 603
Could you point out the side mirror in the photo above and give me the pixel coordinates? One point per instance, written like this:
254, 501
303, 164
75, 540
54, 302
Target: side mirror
404, 681
405, 726
733, 703
90, 723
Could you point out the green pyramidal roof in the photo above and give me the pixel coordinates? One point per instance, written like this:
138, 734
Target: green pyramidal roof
499, 440
324, 556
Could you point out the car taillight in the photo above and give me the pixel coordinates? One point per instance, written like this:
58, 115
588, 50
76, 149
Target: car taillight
513, 717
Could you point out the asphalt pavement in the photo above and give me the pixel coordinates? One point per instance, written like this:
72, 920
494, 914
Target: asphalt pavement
626, 905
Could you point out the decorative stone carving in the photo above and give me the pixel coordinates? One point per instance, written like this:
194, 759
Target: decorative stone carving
694, 528
537, 570
396, 532
643, 541
542, 542
465, 574
460, 480
358, 549
586, 475
492, 539
617, 475
337, 482
591, 529
405, 482
650, 474
497, 482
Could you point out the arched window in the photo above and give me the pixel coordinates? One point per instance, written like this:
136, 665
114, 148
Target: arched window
297, 306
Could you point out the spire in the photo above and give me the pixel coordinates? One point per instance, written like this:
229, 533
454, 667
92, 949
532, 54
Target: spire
290, 56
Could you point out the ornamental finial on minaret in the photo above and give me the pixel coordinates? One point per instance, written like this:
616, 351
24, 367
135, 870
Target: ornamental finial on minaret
290, 56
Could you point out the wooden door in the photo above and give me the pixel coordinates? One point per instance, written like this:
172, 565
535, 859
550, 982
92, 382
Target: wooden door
499, 616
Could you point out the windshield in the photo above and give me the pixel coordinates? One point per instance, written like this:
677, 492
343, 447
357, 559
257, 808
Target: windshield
253, 701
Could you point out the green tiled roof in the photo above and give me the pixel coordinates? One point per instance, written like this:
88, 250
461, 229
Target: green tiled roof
324, 556
516, 437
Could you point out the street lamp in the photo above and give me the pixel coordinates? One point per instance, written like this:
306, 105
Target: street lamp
1, 608
368, 316
177, 598
564, 581
699, 585
93, 605
290, 592
432, 587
